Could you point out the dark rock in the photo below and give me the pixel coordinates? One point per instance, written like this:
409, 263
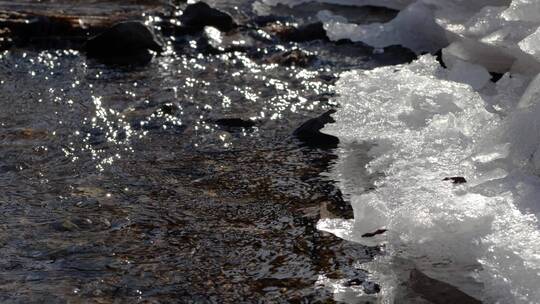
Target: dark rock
235, 123
496, 76
456, 179
65, 225
125, 43
169, 108
438, 57
260, 21
328, 78
438, 292
213, 44
5, 39
369, 287
343, 41
309, 32
309, 132
197, 16
292, 58
376, 232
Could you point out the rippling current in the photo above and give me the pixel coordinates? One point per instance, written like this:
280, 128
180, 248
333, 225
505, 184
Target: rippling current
117, 184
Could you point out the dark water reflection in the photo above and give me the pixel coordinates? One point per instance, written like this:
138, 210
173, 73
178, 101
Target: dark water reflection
117, 185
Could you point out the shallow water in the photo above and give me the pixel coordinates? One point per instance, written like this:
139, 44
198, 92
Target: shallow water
118, 185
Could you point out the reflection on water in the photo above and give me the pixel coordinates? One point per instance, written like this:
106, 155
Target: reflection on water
119, 183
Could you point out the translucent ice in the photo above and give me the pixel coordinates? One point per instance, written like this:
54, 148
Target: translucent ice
423, 127
414, 27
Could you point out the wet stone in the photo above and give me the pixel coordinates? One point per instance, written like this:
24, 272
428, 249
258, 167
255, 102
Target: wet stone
439, 58
65, 225
125, 43
169, 109
5, 39
292, 58
260, 21
235, 123
309, 32
309, 132
197, 16
496, 76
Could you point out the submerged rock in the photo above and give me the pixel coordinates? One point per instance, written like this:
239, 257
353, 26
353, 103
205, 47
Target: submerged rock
309, 32
124, 43
496, 76
292, 57
5, 39
197, 16
309, 132
235, 123
259, 21
65, 225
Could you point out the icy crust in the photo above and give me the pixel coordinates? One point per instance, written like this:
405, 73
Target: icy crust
422, 127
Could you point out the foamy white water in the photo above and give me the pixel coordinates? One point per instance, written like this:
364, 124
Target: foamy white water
424, 123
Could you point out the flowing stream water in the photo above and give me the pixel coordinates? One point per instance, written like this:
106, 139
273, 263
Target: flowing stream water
117, 185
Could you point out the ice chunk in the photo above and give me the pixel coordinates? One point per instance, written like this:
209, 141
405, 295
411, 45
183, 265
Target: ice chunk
523, 10
531, 96
473, 51
473, 74
414, 27
422, 127
328, 16
531, 44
